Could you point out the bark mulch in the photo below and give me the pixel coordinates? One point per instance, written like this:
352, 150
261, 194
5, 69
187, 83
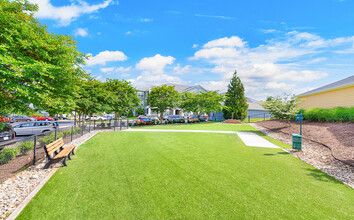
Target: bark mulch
339, 137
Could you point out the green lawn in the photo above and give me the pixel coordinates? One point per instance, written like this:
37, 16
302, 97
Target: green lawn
212, 126
154, 175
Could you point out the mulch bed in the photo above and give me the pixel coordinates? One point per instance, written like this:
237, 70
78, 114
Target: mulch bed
232, 121
339, 137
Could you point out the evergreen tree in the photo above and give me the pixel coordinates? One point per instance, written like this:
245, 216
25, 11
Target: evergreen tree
236, 101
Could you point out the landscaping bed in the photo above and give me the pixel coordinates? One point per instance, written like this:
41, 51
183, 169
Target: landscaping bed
339, 137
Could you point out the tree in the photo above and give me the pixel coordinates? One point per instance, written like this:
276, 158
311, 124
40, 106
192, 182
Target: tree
140, 111
123, 96
235, 102
162, 98
92, 97
130, 114
202, 102
36, 66
283, 108
190, 102
210, 101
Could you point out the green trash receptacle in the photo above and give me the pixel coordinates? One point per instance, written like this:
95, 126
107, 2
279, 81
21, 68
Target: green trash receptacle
297, 141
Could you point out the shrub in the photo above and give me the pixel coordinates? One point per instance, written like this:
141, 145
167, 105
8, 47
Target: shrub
130, 114
67, 133
135, 124
157, 122
338, 114
77, 130
166, 122
102, 125
130, 124
8, 154
26, 147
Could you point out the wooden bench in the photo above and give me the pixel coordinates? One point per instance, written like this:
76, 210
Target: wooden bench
56, 153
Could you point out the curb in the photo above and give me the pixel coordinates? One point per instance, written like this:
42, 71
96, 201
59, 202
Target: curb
24, 203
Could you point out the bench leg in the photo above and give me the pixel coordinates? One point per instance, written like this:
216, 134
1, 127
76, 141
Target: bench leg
63, 162
69, 156
47, 165
73, 151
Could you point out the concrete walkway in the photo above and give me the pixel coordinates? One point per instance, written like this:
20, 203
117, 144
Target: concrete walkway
248, 138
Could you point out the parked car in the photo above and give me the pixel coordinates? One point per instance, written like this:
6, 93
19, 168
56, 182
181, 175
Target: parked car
193, 118
33, 128
7, 133
23, 118
43, 118
203, 118
175, 118
96, 118
142, 119
154, 118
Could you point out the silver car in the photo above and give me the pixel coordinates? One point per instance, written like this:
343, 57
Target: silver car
33, 128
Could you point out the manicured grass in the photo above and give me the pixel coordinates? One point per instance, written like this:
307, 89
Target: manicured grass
212, 126
154, 175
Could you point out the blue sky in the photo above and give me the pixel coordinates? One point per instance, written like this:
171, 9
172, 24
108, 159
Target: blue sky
276, 46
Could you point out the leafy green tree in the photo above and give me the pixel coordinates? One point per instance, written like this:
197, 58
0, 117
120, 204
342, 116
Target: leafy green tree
235, 102
210, 101
202, 102
140, 111
130, 114
284, 108
162, 98
123, 96
92, 97
190, 102
36, 66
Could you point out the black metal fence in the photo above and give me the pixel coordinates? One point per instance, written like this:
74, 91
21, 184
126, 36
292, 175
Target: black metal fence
25, 151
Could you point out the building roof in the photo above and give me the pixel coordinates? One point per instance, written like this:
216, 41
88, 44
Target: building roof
180, 88
336, 85
254, 104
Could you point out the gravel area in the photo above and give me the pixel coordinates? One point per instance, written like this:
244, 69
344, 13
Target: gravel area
14, 190
316, 155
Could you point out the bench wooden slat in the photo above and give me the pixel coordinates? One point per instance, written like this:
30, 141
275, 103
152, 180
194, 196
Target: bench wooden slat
54, 146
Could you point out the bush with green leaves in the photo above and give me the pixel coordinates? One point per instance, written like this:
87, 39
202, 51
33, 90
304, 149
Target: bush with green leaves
130, 124
339, 114
284, 108
7, 154
26, 147
130, 114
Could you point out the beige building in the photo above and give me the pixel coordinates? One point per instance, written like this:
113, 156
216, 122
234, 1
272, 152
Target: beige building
337, 94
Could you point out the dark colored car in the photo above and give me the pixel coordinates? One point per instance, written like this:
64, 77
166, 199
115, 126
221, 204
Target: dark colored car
22, 118
196, 118
175, 118
7, 133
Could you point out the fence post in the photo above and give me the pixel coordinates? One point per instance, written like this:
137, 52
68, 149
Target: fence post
249, 119
94, 124
127, 123
120, 124
34, 149
55, 133
82, 129
89, 126
72, 133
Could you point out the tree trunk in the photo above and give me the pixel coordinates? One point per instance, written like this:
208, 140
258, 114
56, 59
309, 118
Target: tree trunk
161, 117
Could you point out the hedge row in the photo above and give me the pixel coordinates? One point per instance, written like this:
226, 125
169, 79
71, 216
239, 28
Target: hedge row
338, 114
7, 154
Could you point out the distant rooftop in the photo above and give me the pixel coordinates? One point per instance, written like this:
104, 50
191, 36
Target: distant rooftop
180, 88
336, 85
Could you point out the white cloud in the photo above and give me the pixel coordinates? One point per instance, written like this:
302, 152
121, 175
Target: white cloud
226, 42
153, 71
155, 64
68, 13
146, 20
281, 64
195, 45
106, 56
110, 70
214, 16
82, 32
128, 32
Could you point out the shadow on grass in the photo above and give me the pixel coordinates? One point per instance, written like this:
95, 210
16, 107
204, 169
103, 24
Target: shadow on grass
320, 176
281, 153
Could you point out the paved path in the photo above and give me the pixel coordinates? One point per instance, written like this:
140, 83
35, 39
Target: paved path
248, 138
